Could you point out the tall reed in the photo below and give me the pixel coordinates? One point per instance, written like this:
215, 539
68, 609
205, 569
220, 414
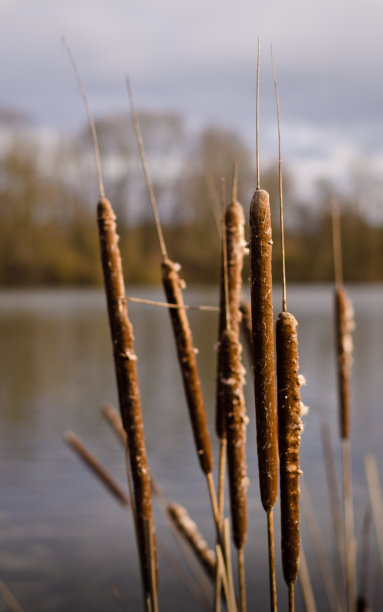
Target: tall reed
236, 423
189, 530
260, 243
127, 382
96, 467
344, 325
289, 411
290, 428
230, 297
173, 286
126, 374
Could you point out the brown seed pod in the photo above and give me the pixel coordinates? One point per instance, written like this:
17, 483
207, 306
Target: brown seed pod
235, 246
344, 324
187, 359
235, 240
290, 429
263, 346
236, 422
189, 530
126, 371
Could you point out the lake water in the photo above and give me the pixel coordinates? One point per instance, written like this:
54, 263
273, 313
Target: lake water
64, 540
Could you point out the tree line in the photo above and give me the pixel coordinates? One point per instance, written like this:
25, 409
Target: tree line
48, 200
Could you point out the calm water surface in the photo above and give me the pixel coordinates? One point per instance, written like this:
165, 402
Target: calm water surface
64, 540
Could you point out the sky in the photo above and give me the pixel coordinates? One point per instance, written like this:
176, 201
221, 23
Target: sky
198, 58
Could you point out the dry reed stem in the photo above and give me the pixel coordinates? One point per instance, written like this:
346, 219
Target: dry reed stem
283, 258
242, 580
335, 504
214, 200
350, 547
364, 552
117, 595
271, 557
167, 305
375, 492
337, 242
236, 420
221, 501
92, 124
305, 583
291, 597
334, 602
344, 325
127, 380
96, 467
9, 599
187, 360
189, 530
246, 326
263, 347
229, 565
114, 419
141, 148
230, 602
290, 429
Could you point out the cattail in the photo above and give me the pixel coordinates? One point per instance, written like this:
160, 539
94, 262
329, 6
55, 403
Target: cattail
236, 420
127, 380
290, 429
184, 342
260, 249
189, 530
290, 409
263, 346
235, 238
187, 359
96, 467
344, 325
231, 283
231, 418
126, 373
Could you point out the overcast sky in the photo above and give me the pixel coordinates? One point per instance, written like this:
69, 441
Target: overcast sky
198, 57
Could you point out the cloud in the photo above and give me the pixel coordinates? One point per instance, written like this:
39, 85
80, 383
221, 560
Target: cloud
199, 58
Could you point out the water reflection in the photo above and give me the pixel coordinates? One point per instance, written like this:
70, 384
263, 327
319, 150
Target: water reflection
64, 541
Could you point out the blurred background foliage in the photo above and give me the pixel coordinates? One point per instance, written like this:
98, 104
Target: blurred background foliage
48, 196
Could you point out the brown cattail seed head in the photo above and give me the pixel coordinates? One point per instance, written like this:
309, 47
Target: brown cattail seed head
235, 247
344, 325
263, 346
126, 371
236, 422
290, 429
188, 363
235, 238
188, 528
